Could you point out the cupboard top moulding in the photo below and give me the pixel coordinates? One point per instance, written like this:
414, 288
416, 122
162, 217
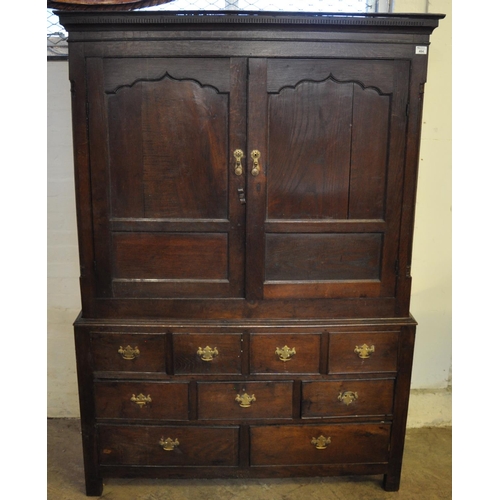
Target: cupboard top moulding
246, 166
214, 25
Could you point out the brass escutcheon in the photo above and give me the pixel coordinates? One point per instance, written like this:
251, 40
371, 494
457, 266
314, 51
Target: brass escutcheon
245, 401
140, 399
168, 444
238, 155
285, 353
129, 352
321, 442
207, 353
364, 351
347, 397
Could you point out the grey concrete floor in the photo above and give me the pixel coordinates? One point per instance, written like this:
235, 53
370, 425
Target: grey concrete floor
426, 476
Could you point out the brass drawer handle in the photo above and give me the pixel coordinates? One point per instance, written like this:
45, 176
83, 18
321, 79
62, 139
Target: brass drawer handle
321, 442
168, 444
255, 154
245, 401
364, 351
129, 352
141, 400
285, 353
347, 397
207, 353
238, 155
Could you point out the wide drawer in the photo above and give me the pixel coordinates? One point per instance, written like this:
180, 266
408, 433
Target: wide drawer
207, 353
133, 352
347, 398
142, 400
168, 445
284, 353
322, 444
240, 400
363, 352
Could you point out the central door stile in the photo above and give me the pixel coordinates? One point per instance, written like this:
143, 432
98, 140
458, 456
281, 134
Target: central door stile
256, 177
237, 180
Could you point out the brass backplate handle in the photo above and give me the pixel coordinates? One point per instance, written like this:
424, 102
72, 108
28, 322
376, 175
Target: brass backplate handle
245, 401
238, 167
255, 154
321, 442
347, 397
168, 444
141, 400
207, 353
129, 352
364, 351
285, 353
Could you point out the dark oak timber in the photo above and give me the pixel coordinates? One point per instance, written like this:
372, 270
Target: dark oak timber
245, 315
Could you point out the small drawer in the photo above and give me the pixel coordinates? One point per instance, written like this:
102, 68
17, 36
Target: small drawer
168, 445
284, 353
319, 444
363, 352
128, 352
207, 353
235, 400
341, 398
142, 400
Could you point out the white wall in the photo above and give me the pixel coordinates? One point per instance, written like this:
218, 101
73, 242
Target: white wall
431, 266
431, 298
63, 299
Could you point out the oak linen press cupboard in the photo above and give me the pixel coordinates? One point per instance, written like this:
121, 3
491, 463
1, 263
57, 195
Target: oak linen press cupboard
245, 189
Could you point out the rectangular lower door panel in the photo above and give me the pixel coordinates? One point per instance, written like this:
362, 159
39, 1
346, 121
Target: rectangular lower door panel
320, 257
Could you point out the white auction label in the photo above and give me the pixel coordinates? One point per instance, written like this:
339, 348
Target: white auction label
420, 49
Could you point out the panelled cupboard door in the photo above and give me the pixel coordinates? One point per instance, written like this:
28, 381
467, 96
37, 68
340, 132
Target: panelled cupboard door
310, 208
168, 221
326, 195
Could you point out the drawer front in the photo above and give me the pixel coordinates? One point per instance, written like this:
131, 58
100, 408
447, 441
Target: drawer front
311, 445
168, 445
234, 400
207, 353
363, 352
129, 352
285, 353
341, 398
142, 400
